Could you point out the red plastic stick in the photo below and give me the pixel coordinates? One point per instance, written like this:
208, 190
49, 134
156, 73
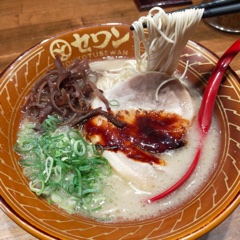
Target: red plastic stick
206, 109
205, 113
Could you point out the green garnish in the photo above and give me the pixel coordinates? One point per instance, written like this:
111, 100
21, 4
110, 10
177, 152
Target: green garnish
114, 103
62, 166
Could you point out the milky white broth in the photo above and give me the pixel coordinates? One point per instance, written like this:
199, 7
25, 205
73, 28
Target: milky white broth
127, 202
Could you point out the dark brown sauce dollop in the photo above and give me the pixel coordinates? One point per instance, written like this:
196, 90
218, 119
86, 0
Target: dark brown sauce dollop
146, 133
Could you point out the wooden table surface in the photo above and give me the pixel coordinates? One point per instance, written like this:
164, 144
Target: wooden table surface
23, 23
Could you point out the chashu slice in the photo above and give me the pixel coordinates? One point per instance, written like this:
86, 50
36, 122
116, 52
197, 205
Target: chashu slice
139, 93
142, 176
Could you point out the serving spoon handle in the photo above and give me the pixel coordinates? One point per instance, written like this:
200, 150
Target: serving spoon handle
210, 93
205, 113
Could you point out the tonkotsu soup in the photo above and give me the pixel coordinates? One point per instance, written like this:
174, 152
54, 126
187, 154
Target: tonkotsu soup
101, 139
117, 195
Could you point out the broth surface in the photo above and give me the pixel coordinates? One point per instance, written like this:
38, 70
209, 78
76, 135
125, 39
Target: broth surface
126, 201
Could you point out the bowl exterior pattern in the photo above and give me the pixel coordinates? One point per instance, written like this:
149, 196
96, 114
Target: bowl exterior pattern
210, 206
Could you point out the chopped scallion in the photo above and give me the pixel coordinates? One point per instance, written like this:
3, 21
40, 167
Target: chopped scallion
62, 166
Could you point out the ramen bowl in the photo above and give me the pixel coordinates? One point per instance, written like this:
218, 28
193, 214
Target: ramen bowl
212, 203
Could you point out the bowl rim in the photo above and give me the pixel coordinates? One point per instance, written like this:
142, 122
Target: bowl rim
5, 68
43, 235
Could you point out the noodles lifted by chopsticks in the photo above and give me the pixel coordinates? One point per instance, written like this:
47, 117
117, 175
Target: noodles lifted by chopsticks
164, 38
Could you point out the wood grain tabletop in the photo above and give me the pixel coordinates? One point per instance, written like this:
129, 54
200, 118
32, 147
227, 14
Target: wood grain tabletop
24, 23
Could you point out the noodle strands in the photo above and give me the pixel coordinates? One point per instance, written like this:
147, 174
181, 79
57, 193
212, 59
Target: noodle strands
164, 39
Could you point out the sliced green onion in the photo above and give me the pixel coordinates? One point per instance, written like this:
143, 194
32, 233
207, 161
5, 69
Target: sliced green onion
85, 168
73, 134
97, 149
48, 167
37, 186
80, 147
114, 103
50, 123
93, 190
62, 166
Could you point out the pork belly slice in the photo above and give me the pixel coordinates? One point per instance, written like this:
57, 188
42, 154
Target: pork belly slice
151, 127
142, 176
139, 91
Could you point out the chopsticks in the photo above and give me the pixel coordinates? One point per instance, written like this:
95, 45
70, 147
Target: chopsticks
217, 8
212, 9
209, 5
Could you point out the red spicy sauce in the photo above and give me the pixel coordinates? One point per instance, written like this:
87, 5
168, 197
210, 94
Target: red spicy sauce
145, 133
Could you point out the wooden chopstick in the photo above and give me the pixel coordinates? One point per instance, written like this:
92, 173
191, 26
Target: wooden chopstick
212, 9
